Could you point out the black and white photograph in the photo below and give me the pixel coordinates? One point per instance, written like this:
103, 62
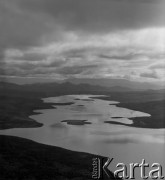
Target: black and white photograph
82, 89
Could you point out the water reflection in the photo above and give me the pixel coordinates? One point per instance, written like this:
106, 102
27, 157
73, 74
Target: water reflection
125, 144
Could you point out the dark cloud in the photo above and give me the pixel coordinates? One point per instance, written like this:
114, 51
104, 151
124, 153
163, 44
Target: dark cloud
126, 57
25, 66
12, 71
104, 15
19, 28
77, 37
158, 66
27, 72
2, 71
29, 69
26, 23
109, 53
136, 56
31, 57
76, 53
30, 23
152, 75
71, 70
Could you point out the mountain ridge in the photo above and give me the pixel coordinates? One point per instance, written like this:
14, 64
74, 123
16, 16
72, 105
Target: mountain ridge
71, 87
118, 82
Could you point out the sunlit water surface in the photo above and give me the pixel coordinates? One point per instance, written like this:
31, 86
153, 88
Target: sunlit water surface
124, 144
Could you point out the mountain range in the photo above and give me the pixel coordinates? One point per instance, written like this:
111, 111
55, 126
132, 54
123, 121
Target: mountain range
82, 86
122, 83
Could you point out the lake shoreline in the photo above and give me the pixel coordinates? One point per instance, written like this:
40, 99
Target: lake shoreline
14, 117
32, 160
151, 106
34, 154
154, 108
15, 112
26, 159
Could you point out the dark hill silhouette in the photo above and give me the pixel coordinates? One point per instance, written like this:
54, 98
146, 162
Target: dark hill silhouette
124, 83
25, 159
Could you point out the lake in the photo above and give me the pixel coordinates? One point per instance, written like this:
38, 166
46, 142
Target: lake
124, 144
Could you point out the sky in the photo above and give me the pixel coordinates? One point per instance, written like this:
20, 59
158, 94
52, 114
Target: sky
43, 40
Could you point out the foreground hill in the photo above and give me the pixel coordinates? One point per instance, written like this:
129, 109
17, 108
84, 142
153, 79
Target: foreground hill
23, 159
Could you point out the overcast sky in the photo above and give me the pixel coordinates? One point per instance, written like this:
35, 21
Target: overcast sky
60, 39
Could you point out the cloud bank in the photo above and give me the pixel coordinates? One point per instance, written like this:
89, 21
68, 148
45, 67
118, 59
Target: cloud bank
62, 39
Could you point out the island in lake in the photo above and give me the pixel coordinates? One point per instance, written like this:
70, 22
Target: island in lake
31, 160
76, 122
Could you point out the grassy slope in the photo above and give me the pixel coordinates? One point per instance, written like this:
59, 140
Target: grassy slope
23, 159
150, 102
154, 108
132, 97
15, 109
